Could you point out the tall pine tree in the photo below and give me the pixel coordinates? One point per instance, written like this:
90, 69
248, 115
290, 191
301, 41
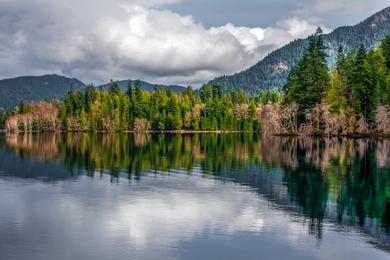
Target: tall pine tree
308, 80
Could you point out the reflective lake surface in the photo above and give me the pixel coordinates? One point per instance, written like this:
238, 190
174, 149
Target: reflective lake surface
118, 196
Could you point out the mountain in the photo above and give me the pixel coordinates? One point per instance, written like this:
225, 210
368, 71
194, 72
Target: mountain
33, 88
145, 86
272, 71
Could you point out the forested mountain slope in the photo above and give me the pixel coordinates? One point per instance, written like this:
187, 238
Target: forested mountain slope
13, 91
272, 71
33, 88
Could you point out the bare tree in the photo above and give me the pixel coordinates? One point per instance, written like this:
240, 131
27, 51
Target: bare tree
141, 125
382, 119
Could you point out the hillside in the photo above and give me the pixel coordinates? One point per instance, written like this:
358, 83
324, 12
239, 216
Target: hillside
33, 88
145, 86
272, 71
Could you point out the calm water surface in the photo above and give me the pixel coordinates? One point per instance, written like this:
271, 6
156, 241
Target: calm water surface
119, 196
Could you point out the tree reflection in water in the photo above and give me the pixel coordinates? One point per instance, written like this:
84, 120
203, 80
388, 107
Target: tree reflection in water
344, 180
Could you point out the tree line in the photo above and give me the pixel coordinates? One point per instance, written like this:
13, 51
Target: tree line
92, 109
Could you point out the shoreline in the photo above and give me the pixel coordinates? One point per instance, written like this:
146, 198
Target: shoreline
146, 132
352, 136
188, 132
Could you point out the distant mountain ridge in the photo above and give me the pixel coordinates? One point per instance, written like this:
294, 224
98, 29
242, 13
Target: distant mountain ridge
33, 88
145, 86
13, 91
272, 71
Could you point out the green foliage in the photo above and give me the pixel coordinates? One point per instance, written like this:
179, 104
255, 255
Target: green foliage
310, 78
115, 88
359, 82
374, 78
3, 117
83, 120
90, 97
336, 93
112, 110
24, 108
386, 50
174, 118
271, 96
365, 82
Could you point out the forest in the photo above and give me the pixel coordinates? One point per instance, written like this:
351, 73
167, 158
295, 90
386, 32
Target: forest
207, 109
354, 97
351, 98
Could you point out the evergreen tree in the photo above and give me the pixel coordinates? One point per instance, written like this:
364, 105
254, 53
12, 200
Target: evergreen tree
374, 82
386, 50
83, 120
3, 118
206, 93
336, 94
115, 88
217, 92
385, 46
307, 82
174, 118
90, 97
69, 103
240, 97
356, 80
24, 107
136, 101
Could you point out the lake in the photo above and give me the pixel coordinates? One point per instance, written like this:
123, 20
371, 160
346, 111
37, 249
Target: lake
233, 196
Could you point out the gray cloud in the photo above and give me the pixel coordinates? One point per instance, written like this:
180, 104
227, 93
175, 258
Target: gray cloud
96, 40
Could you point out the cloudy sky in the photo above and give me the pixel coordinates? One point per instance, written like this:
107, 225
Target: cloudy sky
161, 41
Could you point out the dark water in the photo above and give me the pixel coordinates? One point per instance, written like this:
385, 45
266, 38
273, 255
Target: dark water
193, 197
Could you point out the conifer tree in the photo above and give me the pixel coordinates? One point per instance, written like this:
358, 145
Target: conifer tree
308, 80
115, 88
90, 97
386, 50
374, 82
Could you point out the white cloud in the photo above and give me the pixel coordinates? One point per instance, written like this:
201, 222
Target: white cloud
299, 28
99, 40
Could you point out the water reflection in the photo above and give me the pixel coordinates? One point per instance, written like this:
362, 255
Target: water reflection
315, 180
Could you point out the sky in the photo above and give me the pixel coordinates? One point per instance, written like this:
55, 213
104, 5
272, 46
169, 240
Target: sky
185, 42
